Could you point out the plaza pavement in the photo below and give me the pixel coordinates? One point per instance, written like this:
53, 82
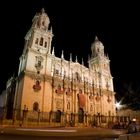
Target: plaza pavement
120, 134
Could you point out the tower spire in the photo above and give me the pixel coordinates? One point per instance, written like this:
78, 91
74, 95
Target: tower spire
82, 62
62, 55
96, 38
76, 59
70, 56
42, 10
53, 51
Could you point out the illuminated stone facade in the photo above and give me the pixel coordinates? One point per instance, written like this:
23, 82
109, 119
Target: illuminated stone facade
67, 90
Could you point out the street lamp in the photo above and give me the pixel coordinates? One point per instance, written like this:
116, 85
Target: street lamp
118, 105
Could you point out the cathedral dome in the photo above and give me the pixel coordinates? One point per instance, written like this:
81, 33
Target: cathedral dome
96, 43
41, 20
97, 48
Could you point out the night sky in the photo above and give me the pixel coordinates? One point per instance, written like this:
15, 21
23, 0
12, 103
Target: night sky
75, 25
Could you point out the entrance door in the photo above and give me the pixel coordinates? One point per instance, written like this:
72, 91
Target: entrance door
81, 115
58, 116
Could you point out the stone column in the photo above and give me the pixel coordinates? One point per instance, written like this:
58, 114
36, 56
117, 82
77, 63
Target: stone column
51, 114
76, 119
38, 116
24, 116
51, 118
14, 117
62, 119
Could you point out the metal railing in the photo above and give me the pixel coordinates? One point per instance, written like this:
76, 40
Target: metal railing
30, 117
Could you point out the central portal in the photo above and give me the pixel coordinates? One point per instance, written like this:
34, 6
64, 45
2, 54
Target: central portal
80, 115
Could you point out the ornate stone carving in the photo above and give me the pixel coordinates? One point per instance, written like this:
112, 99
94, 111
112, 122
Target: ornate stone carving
37, 86
59, 90
38, 65
58, 103
68, 91
91, 97
98, 98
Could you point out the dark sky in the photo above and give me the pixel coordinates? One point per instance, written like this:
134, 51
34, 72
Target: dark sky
75, 25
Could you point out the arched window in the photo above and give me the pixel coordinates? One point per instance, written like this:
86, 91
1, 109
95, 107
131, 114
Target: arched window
58, 116
91, 107
41, 41
39, 63
77, 77
36, 41
45, 44
68, 105
35, 106
80, 115
57, 69
43, 23
38, 23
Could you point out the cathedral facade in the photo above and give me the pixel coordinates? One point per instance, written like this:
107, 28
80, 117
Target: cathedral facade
54, 90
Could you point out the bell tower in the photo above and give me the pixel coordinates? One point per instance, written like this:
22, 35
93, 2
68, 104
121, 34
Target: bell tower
100, 63
34, 65
37, 41
39, 36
